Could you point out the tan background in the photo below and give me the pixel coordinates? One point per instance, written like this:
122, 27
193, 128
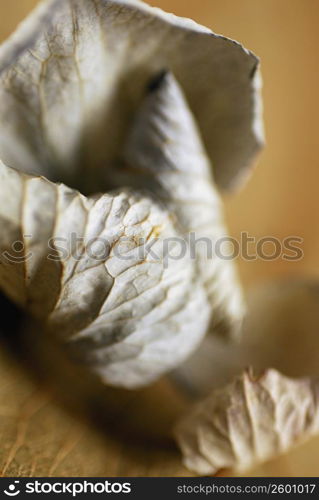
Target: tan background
281, 199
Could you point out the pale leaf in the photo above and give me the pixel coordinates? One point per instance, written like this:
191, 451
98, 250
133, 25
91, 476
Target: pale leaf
248, 422
74, 73
129, 314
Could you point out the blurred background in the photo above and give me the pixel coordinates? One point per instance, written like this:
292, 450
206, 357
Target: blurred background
281, 198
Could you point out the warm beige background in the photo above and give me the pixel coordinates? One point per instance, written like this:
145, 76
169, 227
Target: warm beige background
281, 198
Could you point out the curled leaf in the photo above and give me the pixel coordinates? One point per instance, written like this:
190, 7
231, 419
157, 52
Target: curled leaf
249, 421
129, 310
74, 73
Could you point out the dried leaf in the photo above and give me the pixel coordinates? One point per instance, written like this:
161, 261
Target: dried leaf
130, 313
131, 316
74, 73
249, 421
280, 330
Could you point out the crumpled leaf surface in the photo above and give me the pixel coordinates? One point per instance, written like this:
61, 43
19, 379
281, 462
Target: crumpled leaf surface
129, 316
249, 421
279, 331
74, 73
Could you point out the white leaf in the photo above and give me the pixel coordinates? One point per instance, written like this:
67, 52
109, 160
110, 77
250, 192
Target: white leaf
249, 421
74, 73
130, 316
130, 319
